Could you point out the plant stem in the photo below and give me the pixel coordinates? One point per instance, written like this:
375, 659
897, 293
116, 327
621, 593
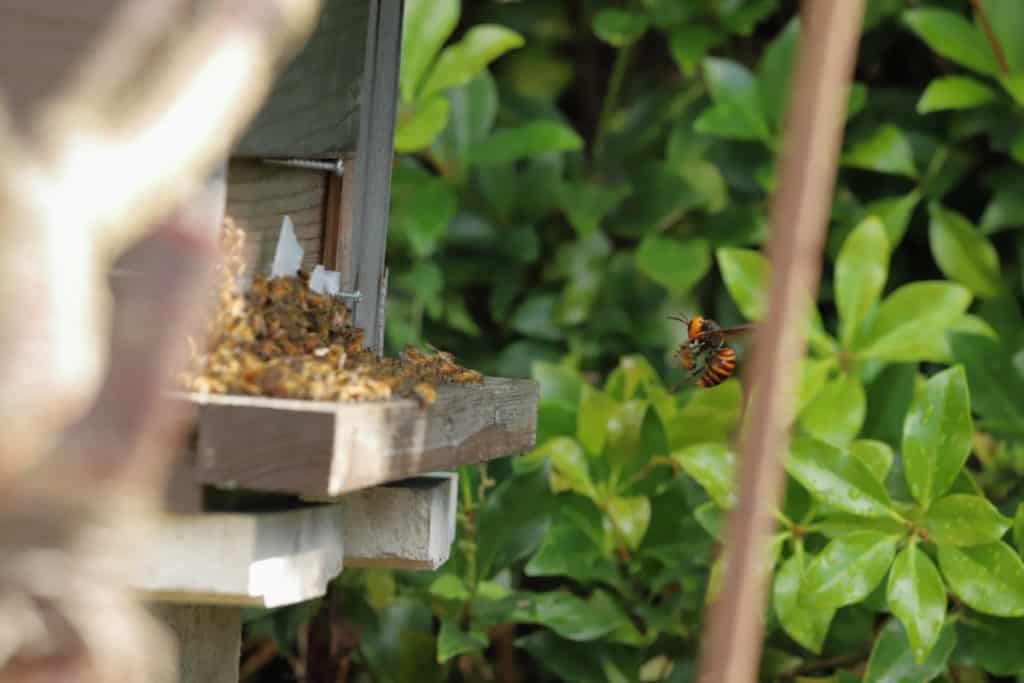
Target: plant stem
611, 98
997, 49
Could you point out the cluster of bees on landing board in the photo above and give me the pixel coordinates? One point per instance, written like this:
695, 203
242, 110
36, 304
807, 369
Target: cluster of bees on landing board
704, 354
279, 338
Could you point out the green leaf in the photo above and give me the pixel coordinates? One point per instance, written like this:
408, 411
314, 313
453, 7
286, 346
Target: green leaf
418, 126
449, 587
426, 25
530, 140
745, 273
513, 519
1007, 20
734, 90
814, 374
716, 410
569, 469
774, 71
860, 273
995, 384
848, 569
836, 525
711, 518
877, 456
892, 658
954, 92
622, 444
569, 616
453, 641
910, 323
676, 264
995, 645
690, 42
895, 213
837, 412
917, 597
587, 203
962, 252
422, 206
619, 27
713, 466
937, 435
557, 382
722, 121
630, 518
471, 113
1004, 210
576, 546
535, 318
462, 61
963, 520
953, 37
987, 578
837, 478
595, 410
1018, 528
807, 626
886, 150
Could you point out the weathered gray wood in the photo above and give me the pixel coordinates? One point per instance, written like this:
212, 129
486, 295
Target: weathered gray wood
315, 107
406, 526
209, 640
373, 181
321, 449
266, 559
260, 195
271, 559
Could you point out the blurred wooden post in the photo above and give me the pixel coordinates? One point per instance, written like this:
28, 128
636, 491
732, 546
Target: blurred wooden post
814, 123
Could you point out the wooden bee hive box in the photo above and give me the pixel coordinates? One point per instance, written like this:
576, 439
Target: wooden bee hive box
370, 483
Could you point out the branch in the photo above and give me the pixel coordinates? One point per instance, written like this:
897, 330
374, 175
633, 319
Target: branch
815, 118
997, 49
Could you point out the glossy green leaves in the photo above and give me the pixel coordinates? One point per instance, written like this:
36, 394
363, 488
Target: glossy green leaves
917, 596
954, 37
745, 273
988, 578
838, 478
892, 657
804, 624
963, 520
713, 466
910, 324
861, 270
937, 435
954, 92
848, 569
963, 253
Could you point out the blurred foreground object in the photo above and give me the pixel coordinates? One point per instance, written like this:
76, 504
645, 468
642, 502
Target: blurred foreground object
817, 103
114, 158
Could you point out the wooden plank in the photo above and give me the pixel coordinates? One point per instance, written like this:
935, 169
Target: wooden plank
322, 449
314, 108
375, 149
260, 195
209, 640
410, 525
279, 558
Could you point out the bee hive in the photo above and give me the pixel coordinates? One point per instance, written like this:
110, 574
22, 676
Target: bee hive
291, 401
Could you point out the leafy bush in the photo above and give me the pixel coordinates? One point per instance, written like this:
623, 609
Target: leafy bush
614, 166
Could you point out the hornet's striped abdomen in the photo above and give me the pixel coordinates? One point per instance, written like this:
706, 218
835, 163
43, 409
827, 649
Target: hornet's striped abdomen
719, 369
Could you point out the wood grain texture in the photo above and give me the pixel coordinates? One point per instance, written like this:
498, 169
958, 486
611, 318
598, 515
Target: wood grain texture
372, 183
314, 109
320, 449
209, 640
260, 195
